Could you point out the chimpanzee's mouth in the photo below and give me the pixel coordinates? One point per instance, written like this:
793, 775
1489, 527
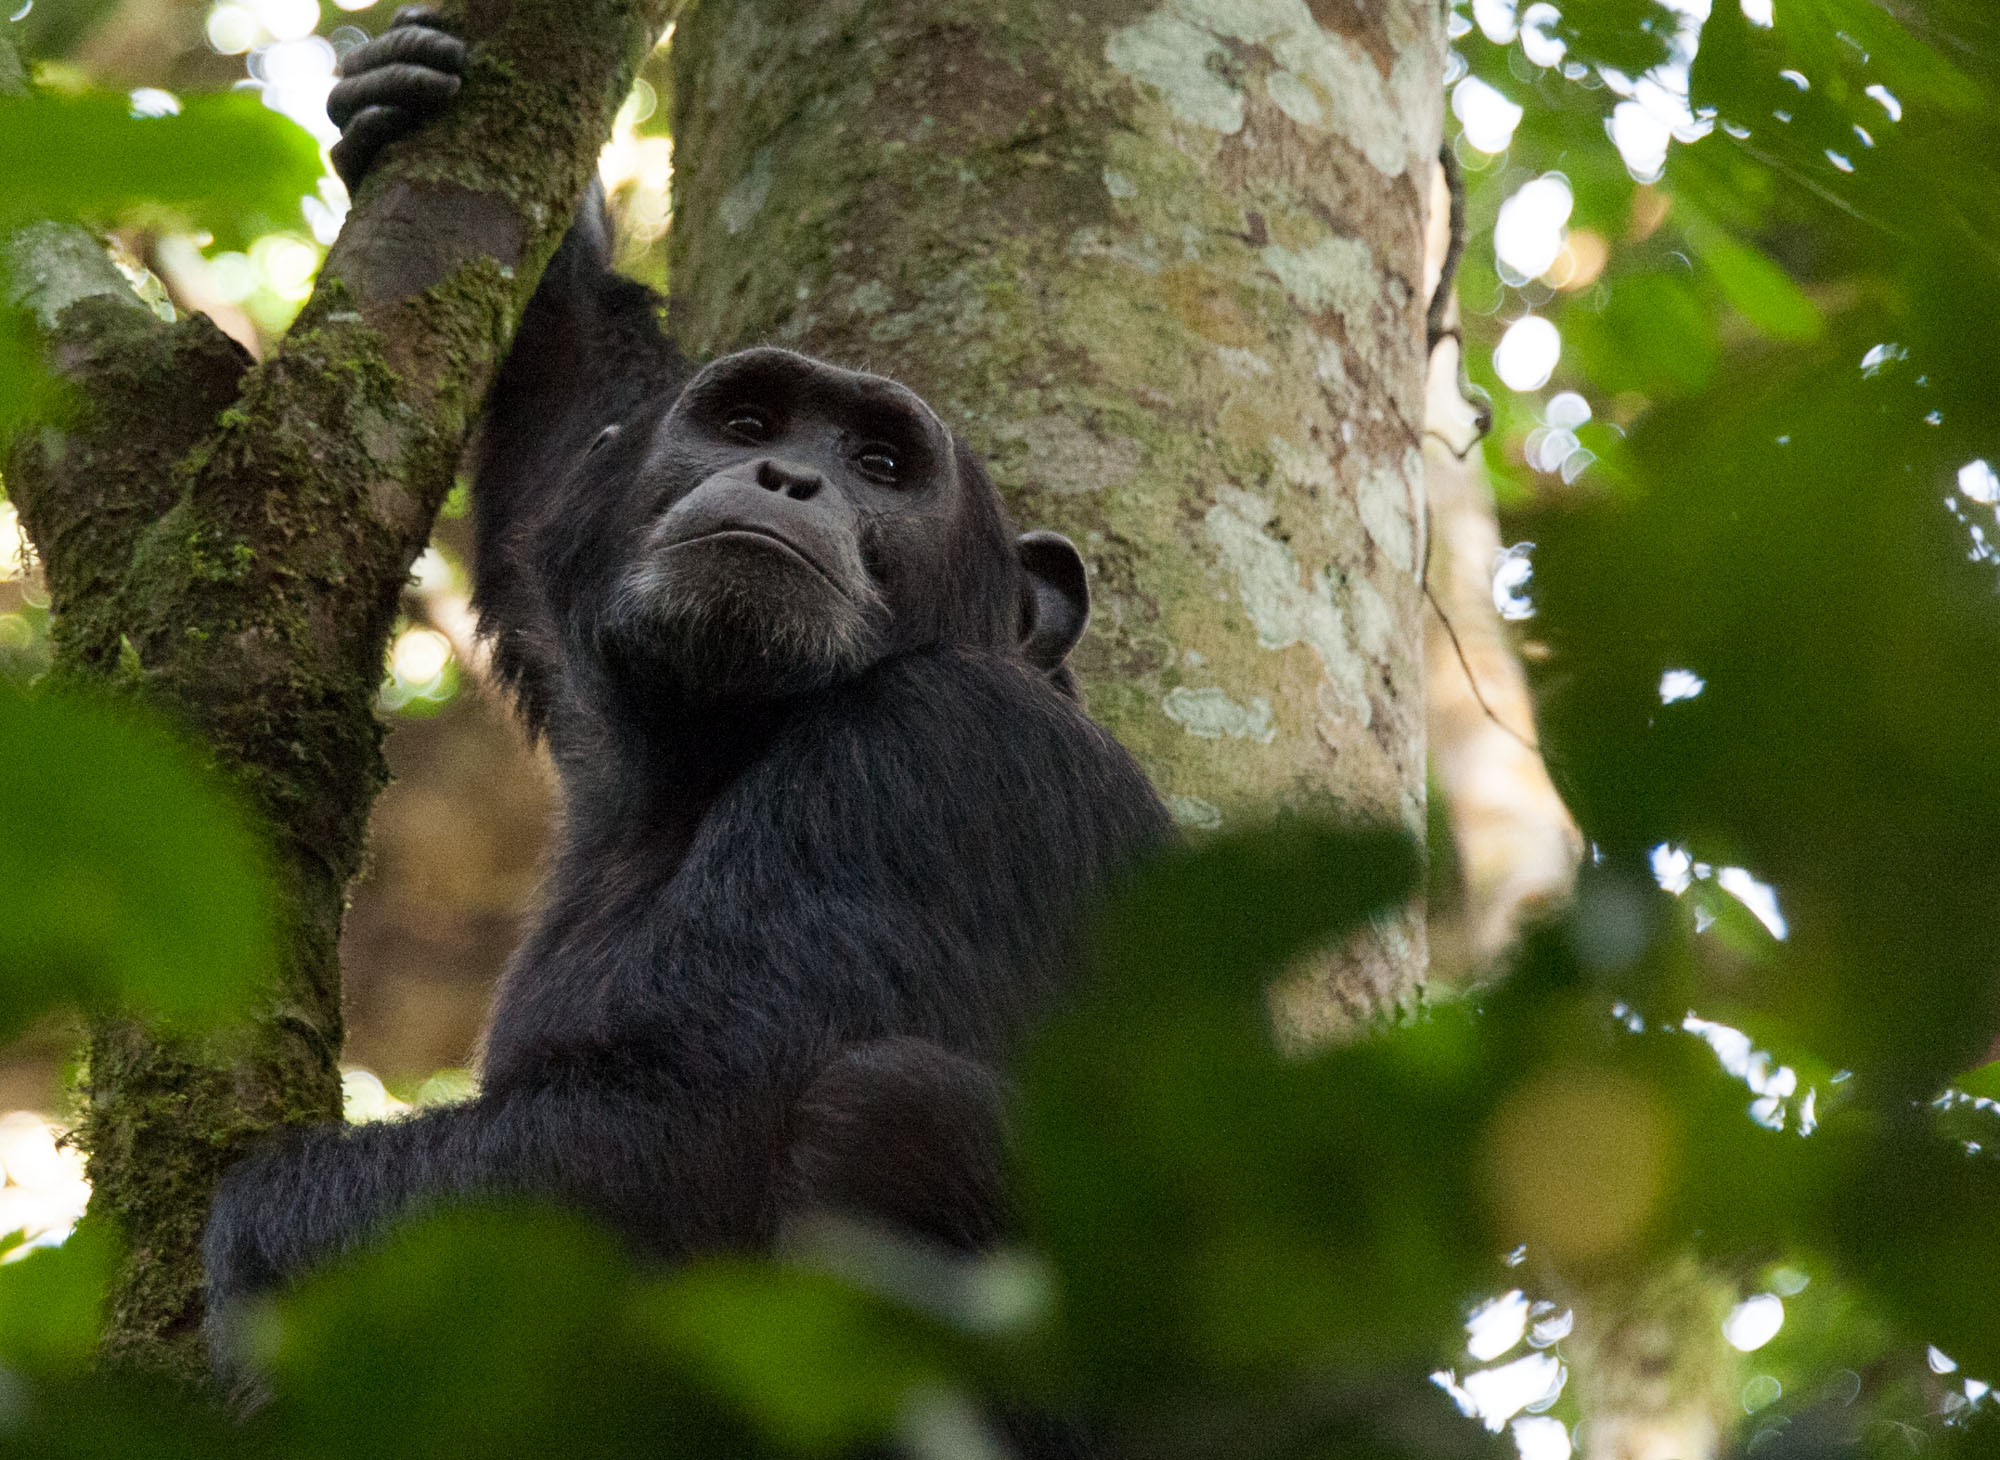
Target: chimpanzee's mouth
747, 532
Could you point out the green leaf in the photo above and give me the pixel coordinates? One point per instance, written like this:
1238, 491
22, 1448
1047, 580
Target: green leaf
816, 1365
1653, 335
1791, 546
52, 1301
1213, 1208
1755, 286
114, 1411
486, 1331
1983, 1083
1915, 1225
27, 391
1630, 35
127, 875
1234, 912
226, 162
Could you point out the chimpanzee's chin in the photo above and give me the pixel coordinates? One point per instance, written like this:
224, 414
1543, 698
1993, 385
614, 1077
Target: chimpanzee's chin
727, 638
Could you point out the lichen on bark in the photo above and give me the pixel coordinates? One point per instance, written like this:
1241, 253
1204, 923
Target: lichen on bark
230, 542
1162, 265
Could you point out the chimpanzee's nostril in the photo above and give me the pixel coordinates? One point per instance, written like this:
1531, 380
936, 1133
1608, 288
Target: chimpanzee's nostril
800, 486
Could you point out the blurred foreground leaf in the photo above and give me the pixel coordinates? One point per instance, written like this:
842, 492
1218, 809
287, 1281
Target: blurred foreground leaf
127, 877
52, 1300
1231, 914
26, 390
117, 1415
1211, 1207
484, 1332
814, 1364
226, 163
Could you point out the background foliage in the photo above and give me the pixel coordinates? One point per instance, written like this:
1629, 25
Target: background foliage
1752, 476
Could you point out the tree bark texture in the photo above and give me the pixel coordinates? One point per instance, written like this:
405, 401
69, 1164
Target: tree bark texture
230, 542
1162, 265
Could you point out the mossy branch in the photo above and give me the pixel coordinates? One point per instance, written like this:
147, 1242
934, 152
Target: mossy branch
231, 542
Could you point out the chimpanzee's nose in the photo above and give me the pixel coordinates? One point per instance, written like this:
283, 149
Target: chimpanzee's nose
796, 482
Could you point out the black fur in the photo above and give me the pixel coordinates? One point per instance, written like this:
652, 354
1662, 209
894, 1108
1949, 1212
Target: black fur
789, 934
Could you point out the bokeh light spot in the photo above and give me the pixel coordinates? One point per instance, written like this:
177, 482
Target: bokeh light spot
1754, 1322
1488, 117
287, 20
1512, 572
1539, 1437
1578, 1158
1680, 684
1528, 236
1527, 354
1977, 480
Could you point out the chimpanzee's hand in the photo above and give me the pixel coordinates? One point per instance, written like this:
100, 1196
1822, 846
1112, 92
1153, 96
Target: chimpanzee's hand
390, 86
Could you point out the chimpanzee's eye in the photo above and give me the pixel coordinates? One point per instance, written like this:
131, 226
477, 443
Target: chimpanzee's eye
747, 423
876, 462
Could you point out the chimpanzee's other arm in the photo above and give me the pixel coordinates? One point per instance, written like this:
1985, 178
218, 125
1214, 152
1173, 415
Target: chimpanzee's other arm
589, 360
906, 1132
586, 1133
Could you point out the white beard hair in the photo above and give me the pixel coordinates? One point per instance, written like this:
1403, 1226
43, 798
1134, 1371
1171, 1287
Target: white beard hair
728, 635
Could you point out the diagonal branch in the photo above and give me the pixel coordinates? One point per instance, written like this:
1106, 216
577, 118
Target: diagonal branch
231, 541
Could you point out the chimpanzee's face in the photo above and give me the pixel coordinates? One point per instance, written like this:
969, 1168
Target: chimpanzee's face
798, 523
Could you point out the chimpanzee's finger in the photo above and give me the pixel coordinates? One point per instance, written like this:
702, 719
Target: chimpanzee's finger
367, 134
420, 15
420, 91
420, 45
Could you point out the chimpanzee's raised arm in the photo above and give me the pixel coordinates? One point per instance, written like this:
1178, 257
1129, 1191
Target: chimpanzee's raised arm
589, 352
589, 358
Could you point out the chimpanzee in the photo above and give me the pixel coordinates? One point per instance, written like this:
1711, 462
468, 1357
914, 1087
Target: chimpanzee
830, 804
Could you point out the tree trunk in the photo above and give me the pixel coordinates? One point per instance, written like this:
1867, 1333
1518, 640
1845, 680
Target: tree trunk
1163, 267
230, 543
1654, 1377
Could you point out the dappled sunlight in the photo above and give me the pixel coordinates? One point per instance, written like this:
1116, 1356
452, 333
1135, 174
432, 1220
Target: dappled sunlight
295, 77
1513, 570
1531, 1384
637, 168
1772, 1083
422, 671
363, 1097
1554, 448
1971, 1393
1527, 353
1496, 1326
44, 1192
1529, 235
1680, 684
1486, 115
1754, 1322
1676, 871
13, 544
1977, 480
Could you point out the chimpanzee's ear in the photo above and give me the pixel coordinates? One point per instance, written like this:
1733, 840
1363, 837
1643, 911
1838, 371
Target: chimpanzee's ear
1055, 599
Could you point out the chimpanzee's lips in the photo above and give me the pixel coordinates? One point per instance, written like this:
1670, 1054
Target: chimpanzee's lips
747, 532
